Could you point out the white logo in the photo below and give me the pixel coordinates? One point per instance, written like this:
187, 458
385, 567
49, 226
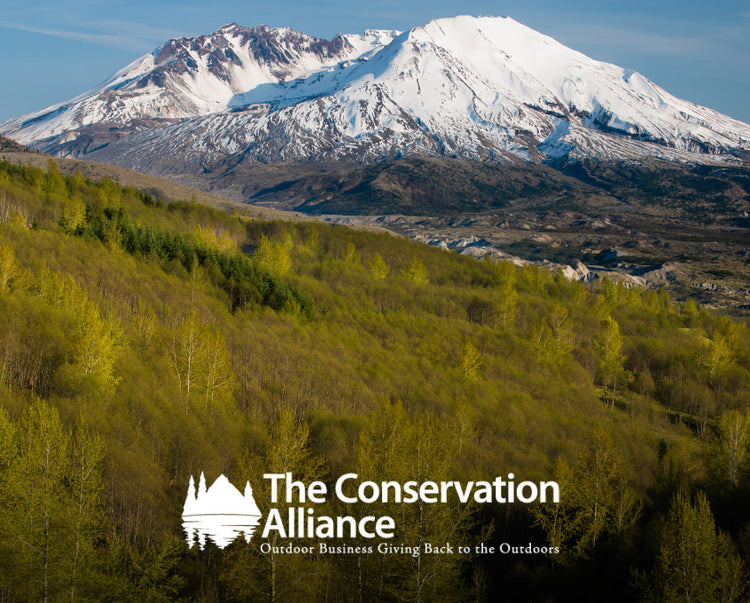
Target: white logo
220, 513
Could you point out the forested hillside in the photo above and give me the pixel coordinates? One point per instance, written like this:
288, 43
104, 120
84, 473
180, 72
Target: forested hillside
142, 342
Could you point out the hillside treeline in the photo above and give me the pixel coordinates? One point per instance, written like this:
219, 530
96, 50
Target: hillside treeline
142, 342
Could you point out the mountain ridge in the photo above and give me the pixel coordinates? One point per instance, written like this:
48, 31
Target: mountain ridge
484, 88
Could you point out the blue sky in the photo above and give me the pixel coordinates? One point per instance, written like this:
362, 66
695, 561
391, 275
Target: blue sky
51, 51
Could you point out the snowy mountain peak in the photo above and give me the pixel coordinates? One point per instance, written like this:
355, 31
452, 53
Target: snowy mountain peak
472, 87
190, 77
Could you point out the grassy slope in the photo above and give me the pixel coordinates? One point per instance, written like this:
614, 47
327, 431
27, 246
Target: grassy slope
370, 342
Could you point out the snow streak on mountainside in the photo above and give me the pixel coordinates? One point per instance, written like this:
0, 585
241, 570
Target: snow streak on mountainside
476, 88
189, 77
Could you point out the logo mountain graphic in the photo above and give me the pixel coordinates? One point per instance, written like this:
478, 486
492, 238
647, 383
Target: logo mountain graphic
219, 513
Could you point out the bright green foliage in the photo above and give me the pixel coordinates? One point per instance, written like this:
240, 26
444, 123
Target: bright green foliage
717, 355
350, 255
734, 444
206, 237
73, 214
96, 343
8, 267
275, 576
58, 290
471, 361
157, 573
313, 242
163, 353
87, 517
506, 297
553, 339
51, 515
433, 348
378, 268
78, 181
202, 365
696, 562
18, 218
55, 189
534, 278
290, 448
96, 339
416, 272
609, 351
7, 440
612, 292
235, 274
219, 378
275, 256
188, 356
690, 311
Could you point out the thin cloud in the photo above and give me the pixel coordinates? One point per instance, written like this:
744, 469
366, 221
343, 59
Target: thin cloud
132, 37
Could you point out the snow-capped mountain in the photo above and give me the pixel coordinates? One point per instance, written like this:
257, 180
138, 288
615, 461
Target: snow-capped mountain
477, 88
190, 77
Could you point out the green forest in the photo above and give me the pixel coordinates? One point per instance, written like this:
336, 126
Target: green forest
142, 342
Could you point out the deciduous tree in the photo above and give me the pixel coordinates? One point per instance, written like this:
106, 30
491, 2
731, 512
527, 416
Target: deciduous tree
608, 344
696, 562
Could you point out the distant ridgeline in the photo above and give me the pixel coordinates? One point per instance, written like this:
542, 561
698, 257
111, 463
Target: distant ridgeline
142, 342
6, 144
